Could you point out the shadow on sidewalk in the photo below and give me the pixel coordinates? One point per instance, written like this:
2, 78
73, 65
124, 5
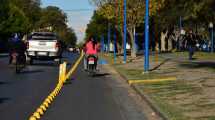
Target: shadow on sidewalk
158, 66
101, 74
199, 64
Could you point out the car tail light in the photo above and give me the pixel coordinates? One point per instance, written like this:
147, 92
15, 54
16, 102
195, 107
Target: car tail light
57, 45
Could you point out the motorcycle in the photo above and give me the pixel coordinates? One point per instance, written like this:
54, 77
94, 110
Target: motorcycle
91, 65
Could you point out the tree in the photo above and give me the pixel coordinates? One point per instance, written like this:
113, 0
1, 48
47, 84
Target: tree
25, 16
97, 26
195, 14
18, 16
108, 9
53, 16
68, 36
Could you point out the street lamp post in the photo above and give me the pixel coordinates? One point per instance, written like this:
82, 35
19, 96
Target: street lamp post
102, 44
211, 26
109, 37
115, 31
146, 62
125, 31
114, 51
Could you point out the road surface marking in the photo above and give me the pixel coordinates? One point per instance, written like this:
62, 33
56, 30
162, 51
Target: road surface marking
62, 78
130, 82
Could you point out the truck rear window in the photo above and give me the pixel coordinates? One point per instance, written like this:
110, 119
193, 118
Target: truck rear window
41, 36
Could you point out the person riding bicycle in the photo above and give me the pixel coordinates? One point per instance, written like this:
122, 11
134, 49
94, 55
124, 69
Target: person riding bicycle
91, 48
16, 46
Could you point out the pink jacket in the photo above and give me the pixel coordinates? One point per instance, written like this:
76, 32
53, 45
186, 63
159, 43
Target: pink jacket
90, 50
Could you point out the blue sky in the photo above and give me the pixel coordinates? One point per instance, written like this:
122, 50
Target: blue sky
78, 19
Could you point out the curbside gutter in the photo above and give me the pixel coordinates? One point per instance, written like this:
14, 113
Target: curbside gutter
143, 96
150, 102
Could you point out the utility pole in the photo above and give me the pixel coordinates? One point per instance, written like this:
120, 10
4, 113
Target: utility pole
125, 30
146, 56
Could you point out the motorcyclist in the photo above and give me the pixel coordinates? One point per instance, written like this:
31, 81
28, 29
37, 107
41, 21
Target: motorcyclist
91, 48
16, 45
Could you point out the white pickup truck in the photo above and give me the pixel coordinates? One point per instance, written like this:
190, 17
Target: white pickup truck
44, 46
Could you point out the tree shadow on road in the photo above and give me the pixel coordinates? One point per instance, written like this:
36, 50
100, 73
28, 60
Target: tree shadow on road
47, 64
3, 100
101, 74
3, 83
3, 55
199, 64
31, 71
69, 81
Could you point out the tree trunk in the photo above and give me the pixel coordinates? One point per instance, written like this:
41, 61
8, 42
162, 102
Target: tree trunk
132, 35
122, 46
163, 41
157, 48
170, 46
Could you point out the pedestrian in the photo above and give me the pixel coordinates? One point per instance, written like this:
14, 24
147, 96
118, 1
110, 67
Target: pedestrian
191, 44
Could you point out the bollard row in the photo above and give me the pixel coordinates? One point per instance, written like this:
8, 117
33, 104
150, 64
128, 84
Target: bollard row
48, 101
63, 76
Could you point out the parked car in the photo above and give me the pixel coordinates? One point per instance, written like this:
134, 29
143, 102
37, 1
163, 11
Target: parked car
44, 46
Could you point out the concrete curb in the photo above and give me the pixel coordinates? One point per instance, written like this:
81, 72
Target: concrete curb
150, 102
144, 97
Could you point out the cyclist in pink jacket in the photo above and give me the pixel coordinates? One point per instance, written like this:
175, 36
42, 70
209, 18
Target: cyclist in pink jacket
91, 48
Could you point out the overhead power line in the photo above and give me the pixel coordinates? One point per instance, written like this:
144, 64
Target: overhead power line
77, 10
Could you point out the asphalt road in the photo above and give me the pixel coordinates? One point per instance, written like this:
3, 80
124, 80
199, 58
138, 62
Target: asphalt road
83, 98
21, 94
102, 97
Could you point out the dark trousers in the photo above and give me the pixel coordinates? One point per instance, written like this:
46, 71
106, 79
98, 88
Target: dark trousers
191, 52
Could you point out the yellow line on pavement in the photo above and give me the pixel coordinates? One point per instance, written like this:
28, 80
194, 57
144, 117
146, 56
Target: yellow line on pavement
74, 67
62, 78
130, 82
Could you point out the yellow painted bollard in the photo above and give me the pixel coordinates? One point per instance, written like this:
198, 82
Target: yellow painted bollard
37, 115
40, 110
48, 100
52, 95
60, 73
64, 72
32, 118
43, 107
58, 87
46, 104
55, 93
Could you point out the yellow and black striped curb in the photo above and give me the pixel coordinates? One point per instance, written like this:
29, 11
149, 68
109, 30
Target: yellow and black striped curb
130, 82
63, 76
